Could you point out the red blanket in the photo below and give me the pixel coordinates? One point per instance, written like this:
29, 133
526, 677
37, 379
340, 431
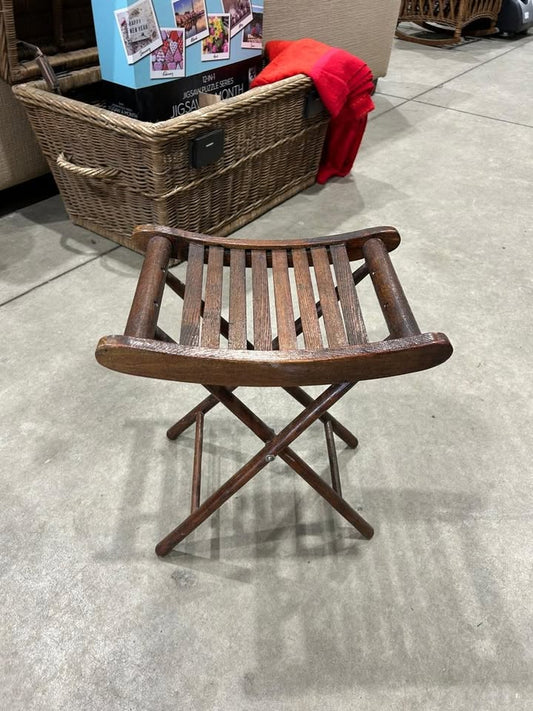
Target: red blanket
344, 83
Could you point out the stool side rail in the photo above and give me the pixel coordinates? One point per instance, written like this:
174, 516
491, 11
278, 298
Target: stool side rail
169, 361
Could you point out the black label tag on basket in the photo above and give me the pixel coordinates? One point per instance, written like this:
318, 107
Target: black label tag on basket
313, 105
207, 148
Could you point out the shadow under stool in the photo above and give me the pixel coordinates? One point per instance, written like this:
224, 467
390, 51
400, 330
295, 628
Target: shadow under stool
308, 329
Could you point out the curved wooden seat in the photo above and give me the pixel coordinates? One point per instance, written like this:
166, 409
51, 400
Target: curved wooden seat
321, 266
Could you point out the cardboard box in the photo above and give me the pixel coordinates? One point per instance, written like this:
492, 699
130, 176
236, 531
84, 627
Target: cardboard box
157, 55
364, 28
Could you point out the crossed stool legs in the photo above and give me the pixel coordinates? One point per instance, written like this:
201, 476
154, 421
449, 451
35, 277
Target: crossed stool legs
275, 445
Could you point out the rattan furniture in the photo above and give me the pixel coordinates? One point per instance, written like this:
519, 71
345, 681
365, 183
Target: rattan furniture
284, 277
38, 22
452, 17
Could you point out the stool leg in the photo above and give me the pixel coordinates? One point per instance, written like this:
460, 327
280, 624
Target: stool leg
255, 424
190, 418
197, 465
340, 430
213, 502
332, 495
333, 461
277, 445
336, 501
296, 392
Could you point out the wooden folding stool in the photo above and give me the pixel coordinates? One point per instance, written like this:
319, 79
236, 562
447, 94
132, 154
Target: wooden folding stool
216, 352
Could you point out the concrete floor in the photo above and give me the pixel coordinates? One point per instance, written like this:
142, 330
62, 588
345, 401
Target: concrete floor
275, 603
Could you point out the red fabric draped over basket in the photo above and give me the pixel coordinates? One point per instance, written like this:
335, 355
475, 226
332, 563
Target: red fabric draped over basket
344, 83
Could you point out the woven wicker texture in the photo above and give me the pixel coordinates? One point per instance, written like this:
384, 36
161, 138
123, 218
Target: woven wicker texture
62, 29
20, 156
452, 14
115, 172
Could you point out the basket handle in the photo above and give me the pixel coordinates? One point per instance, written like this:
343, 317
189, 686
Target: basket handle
44, 65
101, 173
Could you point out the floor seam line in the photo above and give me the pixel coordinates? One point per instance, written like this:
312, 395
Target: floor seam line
387, 111
393, 96
472, 113
482, 64
57, 276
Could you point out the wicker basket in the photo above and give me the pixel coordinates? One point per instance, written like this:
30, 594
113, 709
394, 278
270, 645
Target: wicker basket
115, 172
451, 15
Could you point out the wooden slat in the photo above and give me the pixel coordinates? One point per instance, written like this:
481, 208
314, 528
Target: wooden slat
328, 299
192, 301
261, 302
351, 309
213, 298
306, 300
237, 300
283, 299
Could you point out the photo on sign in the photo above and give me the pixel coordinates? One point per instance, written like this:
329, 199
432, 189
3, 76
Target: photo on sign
217, 43
240, 12
169, 60
191, 16
252, 34
138, 29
